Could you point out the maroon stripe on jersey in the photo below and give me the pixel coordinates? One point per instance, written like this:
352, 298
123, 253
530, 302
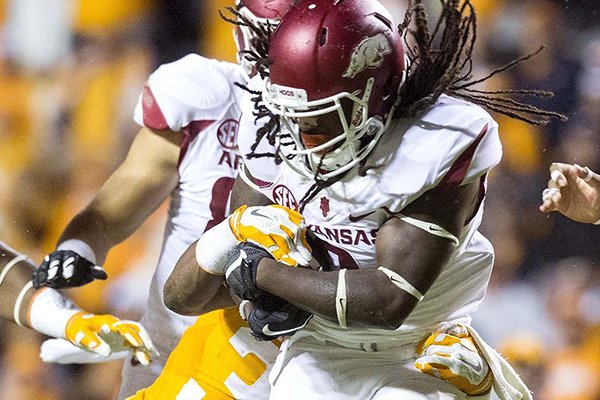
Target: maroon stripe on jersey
260, 183
458, 170
190, 132
153, 116
480, 197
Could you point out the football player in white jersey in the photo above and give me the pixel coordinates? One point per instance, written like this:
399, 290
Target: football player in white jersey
186, 149
49, 312
573, 191
387, 161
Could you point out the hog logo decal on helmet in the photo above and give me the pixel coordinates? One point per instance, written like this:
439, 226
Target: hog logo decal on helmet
340, 61
368, 54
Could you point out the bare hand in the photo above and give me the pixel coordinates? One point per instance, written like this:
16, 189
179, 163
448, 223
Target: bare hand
573, 191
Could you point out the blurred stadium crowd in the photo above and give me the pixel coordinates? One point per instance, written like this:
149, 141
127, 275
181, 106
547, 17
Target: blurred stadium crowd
70, 74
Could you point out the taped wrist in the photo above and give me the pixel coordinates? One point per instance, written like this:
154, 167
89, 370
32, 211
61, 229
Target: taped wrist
213, 247
80, 247
49, 312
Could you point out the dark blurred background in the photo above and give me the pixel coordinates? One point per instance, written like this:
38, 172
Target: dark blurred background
71, 72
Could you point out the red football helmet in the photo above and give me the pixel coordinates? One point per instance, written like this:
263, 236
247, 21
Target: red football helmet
260, 12
324, 53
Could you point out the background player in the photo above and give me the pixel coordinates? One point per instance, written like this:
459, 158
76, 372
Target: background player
187, 149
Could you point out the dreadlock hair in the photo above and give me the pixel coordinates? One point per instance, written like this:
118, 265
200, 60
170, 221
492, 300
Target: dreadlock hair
258, 55
440, 62
259, 41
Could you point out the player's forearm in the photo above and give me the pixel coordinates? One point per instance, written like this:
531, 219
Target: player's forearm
119, 209
134, 191
189, 287
89, 227
371, 301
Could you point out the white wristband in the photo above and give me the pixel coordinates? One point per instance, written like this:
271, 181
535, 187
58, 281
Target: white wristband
341, 299
80, 247
597, 222
213, 246
50, 311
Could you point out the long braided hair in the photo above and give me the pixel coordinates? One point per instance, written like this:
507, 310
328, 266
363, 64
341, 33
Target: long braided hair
440, 62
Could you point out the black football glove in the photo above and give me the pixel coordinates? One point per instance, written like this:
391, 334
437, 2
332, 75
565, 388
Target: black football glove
272, 317
66, 268
240, 270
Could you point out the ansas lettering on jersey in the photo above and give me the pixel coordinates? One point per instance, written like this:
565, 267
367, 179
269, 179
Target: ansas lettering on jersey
345, 236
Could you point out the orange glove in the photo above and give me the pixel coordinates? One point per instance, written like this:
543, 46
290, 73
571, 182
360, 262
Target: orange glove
450, 354
279, 230
106, 334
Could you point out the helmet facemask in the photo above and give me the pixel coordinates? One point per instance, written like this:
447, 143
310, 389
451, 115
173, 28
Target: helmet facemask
360, 133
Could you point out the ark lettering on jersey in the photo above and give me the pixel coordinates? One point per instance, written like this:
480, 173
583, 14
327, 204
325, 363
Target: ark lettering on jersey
345, 236
231, 159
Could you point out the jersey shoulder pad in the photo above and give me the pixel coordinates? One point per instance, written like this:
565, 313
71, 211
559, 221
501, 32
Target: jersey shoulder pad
193, 88
476, 147
453, 143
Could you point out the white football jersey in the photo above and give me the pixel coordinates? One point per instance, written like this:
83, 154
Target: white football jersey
453, 143
197, 97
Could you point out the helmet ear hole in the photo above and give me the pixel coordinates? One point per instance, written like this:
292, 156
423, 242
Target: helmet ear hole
323, 38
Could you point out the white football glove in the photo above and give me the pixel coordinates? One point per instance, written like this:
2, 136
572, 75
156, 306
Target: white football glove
450, 354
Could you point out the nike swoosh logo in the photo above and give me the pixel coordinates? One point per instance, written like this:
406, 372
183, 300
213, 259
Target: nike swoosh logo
476, 367
389, 212
257, 213
395, 280
357, 218
238, 261
267, 331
